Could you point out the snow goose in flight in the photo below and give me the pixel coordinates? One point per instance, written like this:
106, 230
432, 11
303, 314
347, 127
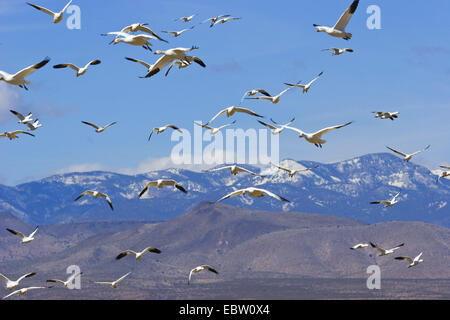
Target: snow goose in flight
254, 192
96, 195
213, 20
25, 239
214, 130
22, 119
18, 79
200, 268
68, 281
33, 126
13, 134
385, 252
443, 174
337, 51
180, 63
22, 291
159, 130
412, 262
316, 137
407, 157
305, 87
274, 129
135, 27
388, 203
114, 284
293, 172
178, 33
234, 169
386, 115
273, 99
359, 246
57, 16
11, 284
80, 71
338, 30
222, 21
232, 110
170, 55
99, 129
138, 255
140, 40
160, 183
186, 19
253, 92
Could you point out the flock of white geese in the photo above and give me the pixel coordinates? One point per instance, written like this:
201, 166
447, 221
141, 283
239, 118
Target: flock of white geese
179, 57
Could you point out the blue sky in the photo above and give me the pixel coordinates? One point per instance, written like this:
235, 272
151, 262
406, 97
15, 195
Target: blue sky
404, 67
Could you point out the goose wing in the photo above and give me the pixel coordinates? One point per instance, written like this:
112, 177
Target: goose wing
217, 169
34, 232
445, 167
426, 148
151, 249
83, 194
210, 268
397, 152
17, 233
281, 168
67, 5
123, 277
398, 247
248, 171
11, 294
318, 76
418, 257
381, 201
267, 125
18, 114
93, 63
273, 195
65, 65
125, 253
325, 130
404, 258
143, 28
148, 185
21, 131
91, 124
345, 17
28, 275
232, 194
377, 247
47, 11
29, 70
110, 124
145, 64
218, 114
174, 128
73, 276
248, 111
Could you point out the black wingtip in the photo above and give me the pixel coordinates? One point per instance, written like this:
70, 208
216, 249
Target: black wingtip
353, 6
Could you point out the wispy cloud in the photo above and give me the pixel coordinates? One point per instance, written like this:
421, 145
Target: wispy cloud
8, 98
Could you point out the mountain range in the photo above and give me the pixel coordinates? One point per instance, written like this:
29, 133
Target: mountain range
342, 189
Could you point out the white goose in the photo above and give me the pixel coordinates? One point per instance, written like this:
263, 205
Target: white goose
407, 157
178, 33
140, 40
305, 87
385, 252
232, 110
273, 99
186, 19
22, 119
11, 284
274, 129
254, 192
33, 126
215, 130
222, 21
170, 55
338, 30
388, 203
25, 239
159, 130
386, 115
316, 137
57, 16
161, 183
253, 92
337, 51
359, 246
18, 79
99, 129
200, 268
180, 63
444, 174
234, 169
68, 281
412, 262
114, 284
135, 27
96, 195
213, 20
138, 255
13, 134
22, 291
80, 71
293, 172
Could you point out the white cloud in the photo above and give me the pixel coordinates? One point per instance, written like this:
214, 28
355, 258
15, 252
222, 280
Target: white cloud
8, 98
